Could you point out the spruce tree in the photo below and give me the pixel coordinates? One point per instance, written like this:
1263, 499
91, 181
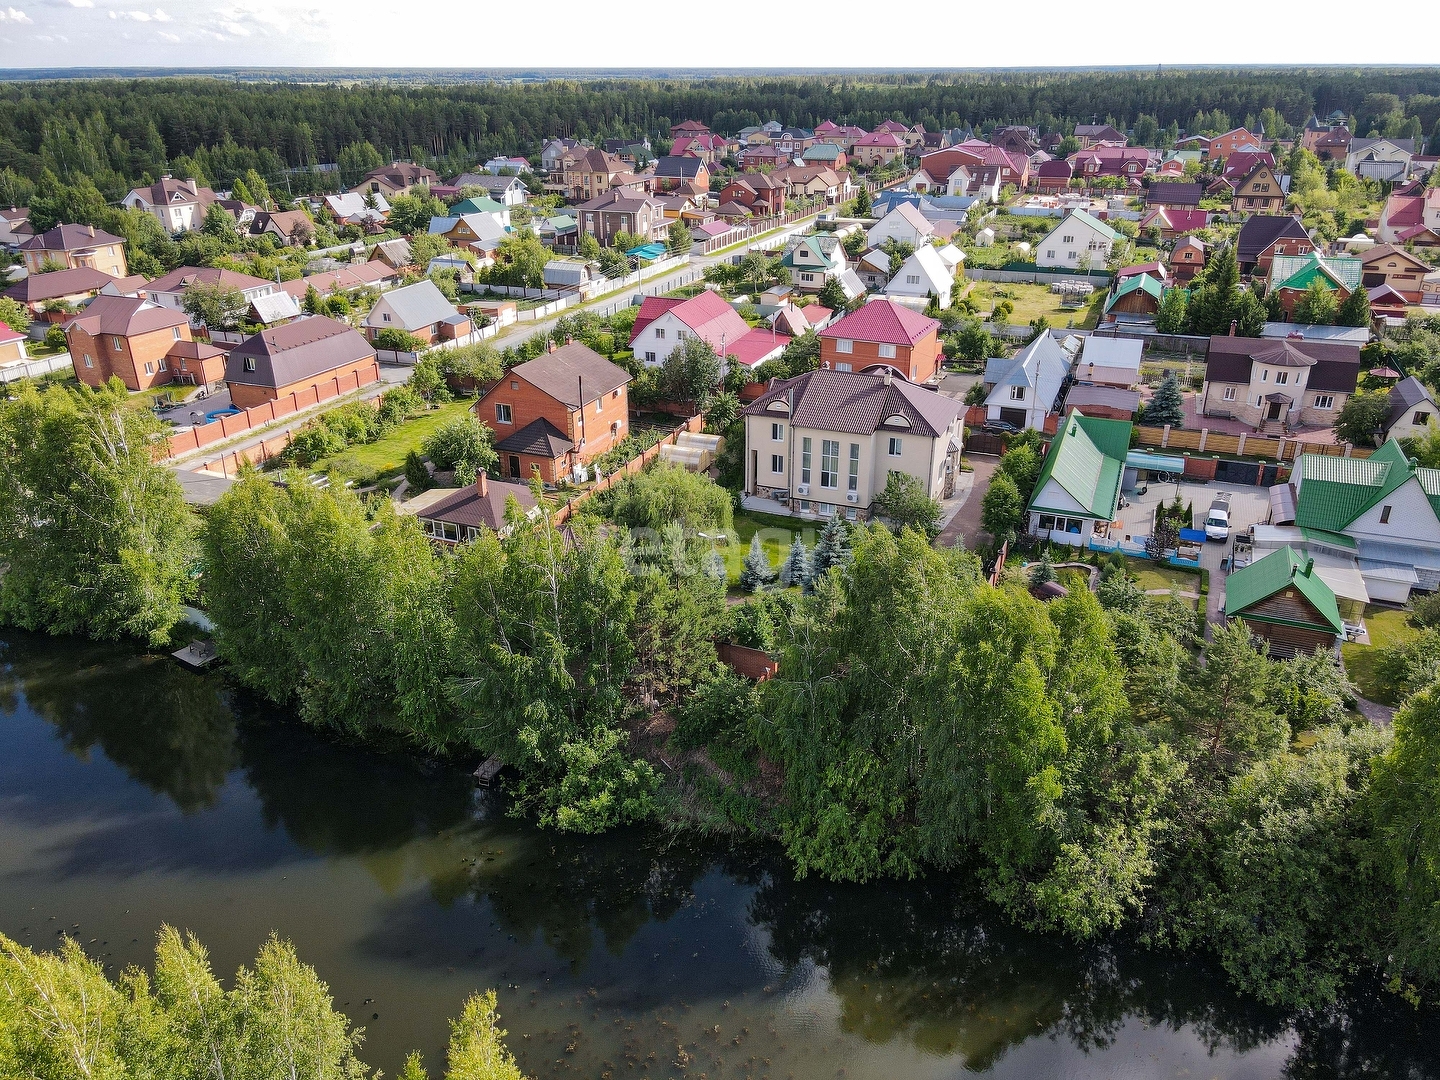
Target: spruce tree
1173, 317
1043, 572
1355, 311
1167, 406
757, 573
795, 570
832, 549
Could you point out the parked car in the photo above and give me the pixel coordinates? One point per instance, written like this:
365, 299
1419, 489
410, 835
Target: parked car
1217, 518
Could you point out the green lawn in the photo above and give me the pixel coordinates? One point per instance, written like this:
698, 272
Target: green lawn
1387, 626
385, 458
1156, 576
1033, 301
776, 536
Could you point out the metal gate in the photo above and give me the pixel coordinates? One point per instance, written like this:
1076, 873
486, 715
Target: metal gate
1245, 472
984, 442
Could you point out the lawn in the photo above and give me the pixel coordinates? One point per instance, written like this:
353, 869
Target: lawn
367, 463
1387, 626
776, 535
1154, 576
1033, 301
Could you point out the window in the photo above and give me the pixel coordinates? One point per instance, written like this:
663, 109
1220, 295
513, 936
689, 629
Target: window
1324, 401
777, 463
149, 369
1264, 374
912, 279
1229, 394
844, 345
1385, 515
249, 363
896, 446
385, 315
650, 357
777, 432
177, 333
514, 385
162, 364
853, 483
1281, 378
659, 333
503, 415
805, 461
117, 342
807, 277
1421, 418
1017, 393
89, 362
887, 352
829, 463
1067, 239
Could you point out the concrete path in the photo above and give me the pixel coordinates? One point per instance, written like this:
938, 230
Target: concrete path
964, 526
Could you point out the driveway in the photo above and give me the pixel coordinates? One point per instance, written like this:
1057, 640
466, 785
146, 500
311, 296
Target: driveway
964, 526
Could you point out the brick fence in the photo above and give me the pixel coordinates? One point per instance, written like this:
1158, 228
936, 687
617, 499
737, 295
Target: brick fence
1243, 445
634, 465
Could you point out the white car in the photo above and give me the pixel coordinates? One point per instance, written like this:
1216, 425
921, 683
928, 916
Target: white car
1217, 520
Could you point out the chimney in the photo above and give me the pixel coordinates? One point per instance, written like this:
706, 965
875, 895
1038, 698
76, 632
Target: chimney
92, 229
1233, 325
889, 374
1309, 567
550, 345
482, 483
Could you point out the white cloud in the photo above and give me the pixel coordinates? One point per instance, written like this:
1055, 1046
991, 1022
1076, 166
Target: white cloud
174, 38
141, 16
82, 3
235, 28
14, 15
160, 16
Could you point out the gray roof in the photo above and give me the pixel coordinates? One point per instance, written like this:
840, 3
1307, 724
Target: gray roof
296, 351
1083, 396
414, 306
489, 182
275, 308
1042, 365
539, 438
859, 403
687, 168
1404, 396
1111, 352
469, 507
562, 373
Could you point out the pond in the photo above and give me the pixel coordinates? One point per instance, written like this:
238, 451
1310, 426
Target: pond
134, 792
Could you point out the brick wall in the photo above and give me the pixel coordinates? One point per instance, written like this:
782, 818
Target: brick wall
128, 361
918, 363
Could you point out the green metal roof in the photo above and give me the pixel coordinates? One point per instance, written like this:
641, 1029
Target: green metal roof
1095, 223
1298, 271
1087, 459
1334, 491
1274, 573
1320, 536
1136, 283
482, 204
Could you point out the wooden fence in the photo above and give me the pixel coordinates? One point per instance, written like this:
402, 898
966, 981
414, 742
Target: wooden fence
634, 465
1243, 445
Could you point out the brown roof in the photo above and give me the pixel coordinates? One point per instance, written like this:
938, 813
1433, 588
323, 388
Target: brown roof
194, 350
285, 221
69, 238
403, 174
1334, 365
181, 279
622, 199
859, 403
124, 316
297, 350
469, 506
1385, 251
539, 438
1174, 194
58, 283
562, 373
167, 191
1262, 230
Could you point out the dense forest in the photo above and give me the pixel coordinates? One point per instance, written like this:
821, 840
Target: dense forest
119, 132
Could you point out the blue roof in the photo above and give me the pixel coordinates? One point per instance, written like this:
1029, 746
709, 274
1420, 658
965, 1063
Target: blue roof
647, 251
1142, 459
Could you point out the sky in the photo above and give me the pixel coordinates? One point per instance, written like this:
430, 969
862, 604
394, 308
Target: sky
422, 33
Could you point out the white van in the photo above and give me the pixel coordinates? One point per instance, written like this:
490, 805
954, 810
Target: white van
1217, 518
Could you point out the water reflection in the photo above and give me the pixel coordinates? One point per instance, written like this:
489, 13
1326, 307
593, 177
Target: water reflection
614, 947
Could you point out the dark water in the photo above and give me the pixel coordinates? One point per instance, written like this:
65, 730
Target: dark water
134, 793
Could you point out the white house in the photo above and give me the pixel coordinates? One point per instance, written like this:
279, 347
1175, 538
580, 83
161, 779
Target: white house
1079, 240
904, 224
169, 291
922, 275
663, 323
1022, 390
179, 205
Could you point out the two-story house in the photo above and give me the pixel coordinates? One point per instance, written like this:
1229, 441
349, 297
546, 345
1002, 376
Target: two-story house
420, 310
622, 209
925, 273
1088, 135
877, 148
397, 178
814, 260
1386, 264
759, 193
828, 440
1292, 275
66, 247
1222, 146
560, 410
480, 233
296, 357
1283, 382
1259, 192
672, 172
1079, 240
1077, 492
586, 173
883, 333
169, 291
664, 322
1024, 389
1265, 236
179, 205
141, 343
904, 224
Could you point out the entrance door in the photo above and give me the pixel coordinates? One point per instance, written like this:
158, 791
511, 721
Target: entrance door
1275, 409
514, 467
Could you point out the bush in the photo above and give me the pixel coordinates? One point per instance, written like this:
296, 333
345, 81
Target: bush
666, 493
398, 341
55, 337
462, 444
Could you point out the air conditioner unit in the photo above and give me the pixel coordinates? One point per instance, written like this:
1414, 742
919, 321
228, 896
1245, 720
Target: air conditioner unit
803, 489
852, 496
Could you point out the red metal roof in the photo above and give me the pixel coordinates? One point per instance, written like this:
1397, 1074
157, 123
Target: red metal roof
651, 309
756, 346
883, 321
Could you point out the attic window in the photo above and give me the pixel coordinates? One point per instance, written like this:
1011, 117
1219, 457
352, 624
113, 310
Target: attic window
1385, 515
249, 363
896, 420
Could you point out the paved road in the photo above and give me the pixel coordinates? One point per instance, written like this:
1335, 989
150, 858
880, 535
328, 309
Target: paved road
964, 527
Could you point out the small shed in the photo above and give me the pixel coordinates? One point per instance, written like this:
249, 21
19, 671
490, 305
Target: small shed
1285, 602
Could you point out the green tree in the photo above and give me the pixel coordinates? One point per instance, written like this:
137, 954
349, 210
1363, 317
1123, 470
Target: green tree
14, 315
355, 160
463, 444
677, 238
904, 504
1166, 406
862, 201
1355, 311
477, 1043
756, 574
1001, 510
1361, 419
95, 534
1043, 572
832, 549
795, 569
691, 373
832, 295
218, 306
588, 248
417, 477
667, 493
974, 342
1228, 714
411, 214
1317, 305
1249, 315
220, 224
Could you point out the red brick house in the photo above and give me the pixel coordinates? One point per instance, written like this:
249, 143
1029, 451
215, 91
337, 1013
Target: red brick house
1222, 146
143, 344
294, 357
562, 409
1264, 236
883, 333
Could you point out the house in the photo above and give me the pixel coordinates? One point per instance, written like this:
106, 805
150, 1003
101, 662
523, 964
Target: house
556, 412
904, 224
664, 322
420, 310
1259, 192
1016, 139
1241, 163
1135, 299
1187, 259
672, 171
1109, 161
825, 154
59, 289
1382, 511
138, 342
877, 148
1286, 381
1386, 160
1412, 409
1285, 603
708, 148
1176, 196
1078, 490
826, 442
552, 153
1110, 361
980, 158
1222, 146
924, 274
457, 515
815, 182
1088, 135
506, 190
481, 233
1292, 275
814, 260
12, 345
1172, 223
296, 358
1265, 236
1079, 241
290, 227
586, 172
350, 208
1024, 389
397, 178
1386, 264
883, 333
623, 209
688, 127
1411, 218
169, 291
873, 269
763, 155
179, 205
1106, 402
1051, 176
66, 247
347, 279
481, 204
758, 193
15, 227
1328, 142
